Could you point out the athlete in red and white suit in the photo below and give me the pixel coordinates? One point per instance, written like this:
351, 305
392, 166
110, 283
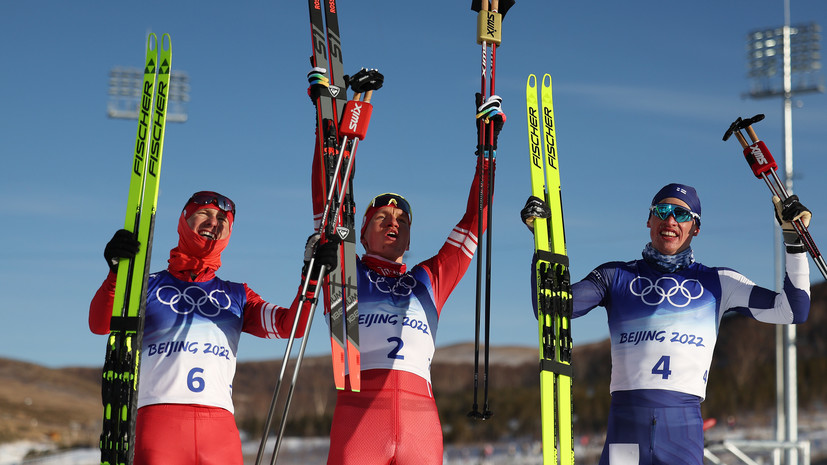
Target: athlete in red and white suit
393, 419
193, 322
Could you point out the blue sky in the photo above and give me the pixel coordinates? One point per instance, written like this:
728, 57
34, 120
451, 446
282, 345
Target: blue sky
643, 94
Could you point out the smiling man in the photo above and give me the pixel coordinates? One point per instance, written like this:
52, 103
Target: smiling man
664, 312
673, 237
193, 322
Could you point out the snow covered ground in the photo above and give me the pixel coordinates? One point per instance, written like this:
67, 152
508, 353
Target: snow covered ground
14, 454
294, 451
309, 451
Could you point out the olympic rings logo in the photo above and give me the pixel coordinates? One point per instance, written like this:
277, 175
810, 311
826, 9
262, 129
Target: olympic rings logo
401, 286
678, 294
193, 298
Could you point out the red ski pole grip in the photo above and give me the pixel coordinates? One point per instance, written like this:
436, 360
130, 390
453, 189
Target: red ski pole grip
759, 158
356, 119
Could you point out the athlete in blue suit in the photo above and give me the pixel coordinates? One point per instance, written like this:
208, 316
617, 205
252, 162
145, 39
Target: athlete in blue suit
664, 312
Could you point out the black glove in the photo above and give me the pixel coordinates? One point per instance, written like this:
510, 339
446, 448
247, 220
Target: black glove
787, 211
122, 245
490, 110
535, 207
326, 254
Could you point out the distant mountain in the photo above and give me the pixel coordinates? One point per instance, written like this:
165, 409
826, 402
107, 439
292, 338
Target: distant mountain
63, 405
40, 403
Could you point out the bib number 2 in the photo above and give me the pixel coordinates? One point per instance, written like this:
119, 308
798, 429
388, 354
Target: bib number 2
394, 353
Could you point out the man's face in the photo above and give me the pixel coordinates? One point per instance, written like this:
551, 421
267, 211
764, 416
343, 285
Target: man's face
388, 233
209, 223
668, 236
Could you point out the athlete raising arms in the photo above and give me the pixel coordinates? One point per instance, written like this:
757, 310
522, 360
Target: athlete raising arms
394, 419
664, 312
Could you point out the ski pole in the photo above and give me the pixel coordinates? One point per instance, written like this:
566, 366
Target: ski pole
368, 82
311, 311
288, 350
316, 76
486, 412
288, 401
483, 40
290, 341
489, 35
354, 124
299, 358
763, 166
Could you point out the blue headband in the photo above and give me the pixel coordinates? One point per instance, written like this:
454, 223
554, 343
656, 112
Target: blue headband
682, 192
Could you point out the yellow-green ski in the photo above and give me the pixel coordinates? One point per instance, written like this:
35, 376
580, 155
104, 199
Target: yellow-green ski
552, 280
122, 364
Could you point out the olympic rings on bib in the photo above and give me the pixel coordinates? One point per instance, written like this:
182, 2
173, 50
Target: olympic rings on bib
678, 294
193, 298
401, 286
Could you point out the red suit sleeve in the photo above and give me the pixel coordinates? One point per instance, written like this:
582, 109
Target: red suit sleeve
263, 319
447, 267
100, 310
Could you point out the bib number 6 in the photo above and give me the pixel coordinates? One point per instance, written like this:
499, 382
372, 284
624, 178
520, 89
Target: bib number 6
195, 383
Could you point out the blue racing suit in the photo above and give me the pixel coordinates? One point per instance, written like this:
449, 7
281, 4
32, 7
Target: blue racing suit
663, 329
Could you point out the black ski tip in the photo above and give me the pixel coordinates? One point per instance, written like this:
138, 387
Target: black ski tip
502, 7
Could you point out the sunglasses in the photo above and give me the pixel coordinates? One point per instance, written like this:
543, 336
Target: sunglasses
391, 199
681, 214
209, 197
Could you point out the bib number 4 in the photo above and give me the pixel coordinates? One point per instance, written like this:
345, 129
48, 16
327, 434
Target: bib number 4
662, 367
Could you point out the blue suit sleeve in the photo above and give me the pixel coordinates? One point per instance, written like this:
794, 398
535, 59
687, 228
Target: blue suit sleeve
588, 293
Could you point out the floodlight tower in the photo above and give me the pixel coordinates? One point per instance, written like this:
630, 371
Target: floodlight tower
774, 55
125, 91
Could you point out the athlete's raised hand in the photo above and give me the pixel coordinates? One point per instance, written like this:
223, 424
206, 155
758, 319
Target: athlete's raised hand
489, 111
122, 245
